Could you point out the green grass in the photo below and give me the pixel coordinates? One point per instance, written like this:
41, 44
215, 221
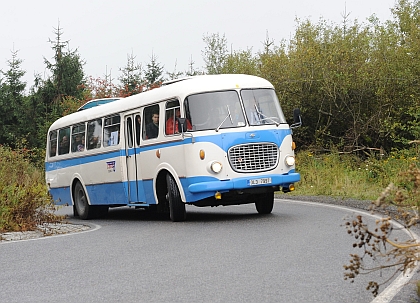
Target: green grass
349, 176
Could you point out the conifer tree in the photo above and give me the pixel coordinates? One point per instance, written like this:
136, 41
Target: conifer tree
131, 78
154, 72
12, 115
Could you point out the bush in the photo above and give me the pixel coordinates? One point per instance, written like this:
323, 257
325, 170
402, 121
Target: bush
349, 176
24, 199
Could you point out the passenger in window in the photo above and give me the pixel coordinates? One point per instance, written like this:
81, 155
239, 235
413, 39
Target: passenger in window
172, 124
77, 141
81, 146
152, 129
64, 146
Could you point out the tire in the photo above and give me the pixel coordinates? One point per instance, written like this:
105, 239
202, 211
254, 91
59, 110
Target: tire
82, 207
265, 203
177, 211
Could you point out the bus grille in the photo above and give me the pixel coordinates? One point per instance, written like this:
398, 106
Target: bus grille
253, 157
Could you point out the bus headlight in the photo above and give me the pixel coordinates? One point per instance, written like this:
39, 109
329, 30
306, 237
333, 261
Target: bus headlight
289, 160
216, 167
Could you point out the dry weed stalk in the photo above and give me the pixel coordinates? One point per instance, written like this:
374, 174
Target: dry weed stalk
400, 203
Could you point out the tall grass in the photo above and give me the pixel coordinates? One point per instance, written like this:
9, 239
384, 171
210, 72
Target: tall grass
24, 199
350, 176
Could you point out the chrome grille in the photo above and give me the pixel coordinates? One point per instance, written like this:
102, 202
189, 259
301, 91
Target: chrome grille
253, 157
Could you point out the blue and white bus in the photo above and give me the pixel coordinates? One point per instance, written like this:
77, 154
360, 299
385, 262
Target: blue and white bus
205, 140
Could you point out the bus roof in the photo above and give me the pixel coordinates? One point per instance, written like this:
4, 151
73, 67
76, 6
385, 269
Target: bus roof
172, 89
97, 102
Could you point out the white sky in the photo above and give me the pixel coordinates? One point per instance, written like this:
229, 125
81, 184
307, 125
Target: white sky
105, 31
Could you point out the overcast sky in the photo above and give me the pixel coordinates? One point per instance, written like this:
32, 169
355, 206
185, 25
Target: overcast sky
105, 31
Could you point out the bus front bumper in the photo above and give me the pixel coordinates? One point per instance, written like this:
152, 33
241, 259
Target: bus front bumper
244, 183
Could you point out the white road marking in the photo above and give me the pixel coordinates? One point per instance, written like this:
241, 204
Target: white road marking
391, 291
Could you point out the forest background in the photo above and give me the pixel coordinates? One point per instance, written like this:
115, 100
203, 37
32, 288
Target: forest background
357, 85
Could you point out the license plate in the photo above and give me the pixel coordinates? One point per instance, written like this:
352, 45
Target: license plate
259, 181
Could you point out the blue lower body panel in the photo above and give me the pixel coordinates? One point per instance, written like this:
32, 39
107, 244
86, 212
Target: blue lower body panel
99, 194
203, 188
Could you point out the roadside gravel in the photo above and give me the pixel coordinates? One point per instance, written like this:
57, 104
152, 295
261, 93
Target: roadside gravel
44, 230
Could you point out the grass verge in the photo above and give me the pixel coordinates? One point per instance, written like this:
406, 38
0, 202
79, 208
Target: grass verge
349, 176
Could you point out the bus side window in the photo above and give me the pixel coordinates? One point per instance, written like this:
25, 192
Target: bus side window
129, 134
53, 143
112, 131
94, 133
151, 122
138, 124
78, 138
172, 112
64, 145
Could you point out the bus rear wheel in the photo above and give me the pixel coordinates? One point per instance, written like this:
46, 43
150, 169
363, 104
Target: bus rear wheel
81, 205
265, 203
176, 206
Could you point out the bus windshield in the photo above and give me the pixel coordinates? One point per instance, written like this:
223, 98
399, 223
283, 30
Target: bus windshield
214, 110
262, 107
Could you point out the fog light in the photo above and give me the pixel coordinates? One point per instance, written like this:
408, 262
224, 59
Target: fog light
289, 188
289, 160
218, 195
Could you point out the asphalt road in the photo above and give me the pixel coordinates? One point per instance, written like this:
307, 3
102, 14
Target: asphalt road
223, 254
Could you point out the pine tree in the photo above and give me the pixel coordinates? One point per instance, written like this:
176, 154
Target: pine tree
66, 80
153, 74
12, 115
67, 76
131, 79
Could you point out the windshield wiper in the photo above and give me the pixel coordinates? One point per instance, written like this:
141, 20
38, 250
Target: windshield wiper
266, 117
228, 116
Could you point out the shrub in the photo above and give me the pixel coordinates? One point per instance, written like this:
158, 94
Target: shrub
24, 199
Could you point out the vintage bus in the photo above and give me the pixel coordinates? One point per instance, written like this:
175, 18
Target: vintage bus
206, 140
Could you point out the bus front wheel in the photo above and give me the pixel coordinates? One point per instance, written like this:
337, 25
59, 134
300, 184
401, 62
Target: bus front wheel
176, 206
264, 203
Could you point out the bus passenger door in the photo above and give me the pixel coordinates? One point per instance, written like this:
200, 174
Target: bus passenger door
132, 130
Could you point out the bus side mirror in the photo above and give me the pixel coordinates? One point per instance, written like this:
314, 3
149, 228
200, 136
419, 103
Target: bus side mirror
182, 125
297, 119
